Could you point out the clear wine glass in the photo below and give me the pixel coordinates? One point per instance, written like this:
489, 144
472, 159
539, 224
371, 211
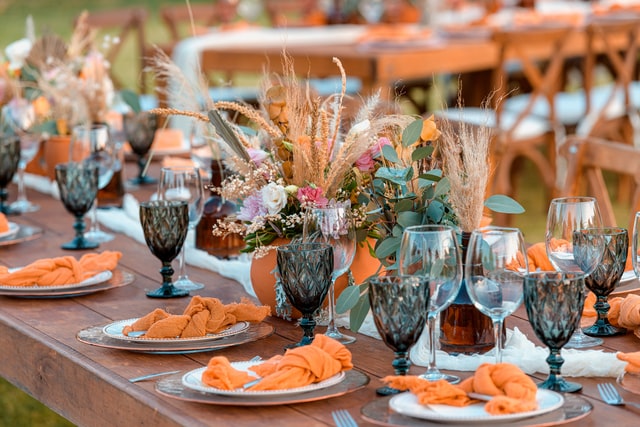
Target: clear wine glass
184, 183
431, 252
9, 159
495, 266
92, 144
371, 10
566, 215
334, 225
29, 146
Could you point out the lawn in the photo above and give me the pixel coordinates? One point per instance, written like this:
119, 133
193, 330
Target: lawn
16, 407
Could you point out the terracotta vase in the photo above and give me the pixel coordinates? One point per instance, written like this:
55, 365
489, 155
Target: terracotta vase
37, 165
263, 279
56, 150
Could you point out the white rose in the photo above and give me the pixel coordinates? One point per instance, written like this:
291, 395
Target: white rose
274, 197
17, 52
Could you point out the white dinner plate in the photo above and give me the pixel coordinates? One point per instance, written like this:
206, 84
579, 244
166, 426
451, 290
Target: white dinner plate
114, 330
628, 276
12, 231
99, 278
407, 404
193, 380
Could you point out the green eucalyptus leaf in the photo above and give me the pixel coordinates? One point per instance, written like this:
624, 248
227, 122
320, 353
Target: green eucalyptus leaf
503, 204
396, 176
430, 176
348, 299
131, 99
407, 219
387, 247
435, 212
390, 154
422, 153
411, 133
442, 187
404, 205
359, 313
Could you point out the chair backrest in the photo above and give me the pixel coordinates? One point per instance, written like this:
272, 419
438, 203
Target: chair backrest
588, 158
126, 23
294, 13
615, 42
178, 18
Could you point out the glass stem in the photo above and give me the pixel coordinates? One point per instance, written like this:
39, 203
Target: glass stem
433, 336
22, 195
93, 217
182, 265
497, 335
332, 307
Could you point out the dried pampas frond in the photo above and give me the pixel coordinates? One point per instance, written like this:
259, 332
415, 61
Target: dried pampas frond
82, 38
48, 52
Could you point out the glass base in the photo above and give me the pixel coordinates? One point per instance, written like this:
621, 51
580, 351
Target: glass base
603, 330
437, 376
98, 236
338, 336
143, 180
560, 384
23, 206
187, 284
167, 292
79, 244
387, 391
580, 340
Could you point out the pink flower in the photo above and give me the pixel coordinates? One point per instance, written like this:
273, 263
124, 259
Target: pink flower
311, 195
366, 162
377, 148
252, 207
257, 156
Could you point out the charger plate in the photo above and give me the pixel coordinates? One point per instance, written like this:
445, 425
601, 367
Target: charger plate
118, 279
114, 330
173, 387
95, 335
12, 231
573, 408
629, 381
628, 283
24, 234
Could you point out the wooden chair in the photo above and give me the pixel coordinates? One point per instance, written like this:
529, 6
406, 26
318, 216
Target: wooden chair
126, 23
588, 158
177, 19
294, 13
521, 134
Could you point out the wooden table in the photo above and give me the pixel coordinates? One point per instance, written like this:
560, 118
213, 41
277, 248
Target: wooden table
89, 385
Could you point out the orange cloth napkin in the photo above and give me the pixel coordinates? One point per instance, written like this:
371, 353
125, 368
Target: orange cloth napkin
393, 33
512, 390
4, 223
538, 260
60, 271
633, 361
300, 366
202, 316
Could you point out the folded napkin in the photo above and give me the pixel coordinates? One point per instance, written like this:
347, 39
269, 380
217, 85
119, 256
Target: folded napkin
4, 223
60, 271
633, 361
393, 33
201, 317
300, 366
512, 390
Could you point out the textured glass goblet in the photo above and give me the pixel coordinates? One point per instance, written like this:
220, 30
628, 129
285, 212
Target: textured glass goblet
554, 302
9, 160
604, 279
78, 185
305, 271
165, 224
140, 130
399, 305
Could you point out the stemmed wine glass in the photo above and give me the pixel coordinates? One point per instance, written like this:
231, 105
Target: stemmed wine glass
334, 225
140, 130
9, 159
78, 185
566, 215
371, 10
184, 183
431, 251
399, 306
305, 271
29, 146
554, 302
495, 265
92, 144
165, 224
606, 276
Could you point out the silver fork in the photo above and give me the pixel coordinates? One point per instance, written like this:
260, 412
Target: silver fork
611, 396
343, 418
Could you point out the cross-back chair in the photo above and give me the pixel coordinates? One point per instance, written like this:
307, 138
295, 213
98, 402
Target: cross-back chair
540, 53
124, 24
588, 159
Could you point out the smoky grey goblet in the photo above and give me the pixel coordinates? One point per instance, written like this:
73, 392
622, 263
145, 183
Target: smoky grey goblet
604, 279
305, 271
140, 130
554, 302
9, 160
78, 185
165, 224
399, 305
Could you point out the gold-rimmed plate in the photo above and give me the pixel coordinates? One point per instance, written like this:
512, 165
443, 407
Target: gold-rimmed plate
114, 330
96, 279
